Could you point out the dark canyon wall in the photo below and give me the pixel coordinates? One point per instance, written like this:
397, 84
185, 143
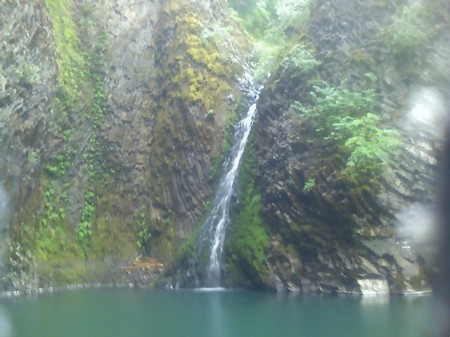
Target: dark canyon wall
335, 226
115, 117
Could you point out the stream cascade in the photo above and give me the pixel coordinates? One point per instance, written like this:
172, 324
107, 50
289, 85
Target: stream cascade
213, 232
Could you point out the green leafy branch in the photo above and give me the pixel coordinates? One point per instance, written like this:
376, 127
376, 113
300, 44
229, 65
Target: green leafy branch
341, 118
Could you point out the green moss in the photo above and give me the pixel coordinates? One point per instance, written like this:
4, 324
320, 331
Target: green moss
112, 238
218, 160
60, 245
72, 66
247, 240
198, 65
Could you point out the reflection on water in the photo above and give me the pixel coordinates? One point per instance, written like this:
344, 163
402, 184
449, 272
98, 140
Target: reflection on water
366, 301
140, 313
5, 325
217, 317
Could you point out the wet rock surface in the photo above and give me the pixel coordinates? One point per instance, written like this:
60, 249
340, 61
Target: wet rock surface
27, 88
123, 167
330, 238
129, 142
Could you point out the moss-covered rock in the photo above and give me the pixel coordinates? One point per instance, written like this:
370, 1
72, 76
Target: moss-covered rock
116, 160
247, 240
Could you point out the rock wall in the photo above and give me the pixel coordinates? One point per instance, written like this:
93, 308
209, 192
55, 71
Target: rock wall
113, 114
27, 87
27, 77
334, 235
114, 118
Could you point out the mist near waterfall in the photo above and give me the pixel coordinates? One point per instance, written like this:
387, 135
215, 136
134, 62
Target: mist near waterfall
427, 225
426, 112
425, 116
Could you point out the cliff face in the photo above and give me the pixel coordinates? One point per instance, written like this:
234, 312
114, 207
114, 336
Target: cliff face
113, 114
27, 87
115, 117
332, 227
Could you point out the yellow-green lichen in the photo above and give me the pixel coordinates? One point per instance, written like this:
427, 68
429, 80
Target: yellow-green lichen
72, 66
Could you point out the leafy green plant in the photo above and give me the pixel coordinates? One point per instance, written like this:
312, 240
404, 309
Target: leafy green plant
61, 164
255, 15
409, 28
143, 233
301, 60
368, 143
329, 104
342, 118
310, 184
84, 231
371, 77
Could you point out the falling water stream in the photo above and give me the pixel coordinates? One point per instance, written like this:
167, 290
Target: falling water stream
216, 224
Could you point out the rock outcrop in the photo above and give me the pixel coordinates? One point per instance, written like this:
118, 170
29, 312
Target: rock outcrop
334, 235
27, 87
112, 116
115, 116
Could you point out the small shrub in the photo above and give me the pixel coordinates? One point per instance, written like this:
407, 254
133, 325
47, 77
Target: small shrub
342, 118
84, 231
409, 28
300, 60
310, 184
143, 233
368, 143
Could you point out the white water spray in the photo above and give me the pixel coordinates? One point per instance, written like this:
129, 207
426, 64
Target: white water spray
426, 115
224, 195
427, 112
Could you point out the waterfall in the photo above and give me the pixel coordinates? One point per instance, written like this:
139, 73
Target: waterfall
215, 226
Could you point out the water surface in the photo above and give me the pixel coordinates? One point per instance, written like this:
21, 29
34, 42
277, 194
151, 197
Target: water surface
159, 313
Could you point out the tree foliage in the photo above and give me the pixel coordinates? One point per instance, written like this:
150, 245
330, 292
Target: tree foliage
300, 61
368, 143
410, 27
343, 118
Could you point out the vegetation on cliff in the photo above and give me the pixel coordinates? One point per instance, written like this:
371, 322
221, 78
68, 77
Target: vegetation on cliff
64, 232
197, 91
344, 121
87, 215
128, 169
332, 180
247, 240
